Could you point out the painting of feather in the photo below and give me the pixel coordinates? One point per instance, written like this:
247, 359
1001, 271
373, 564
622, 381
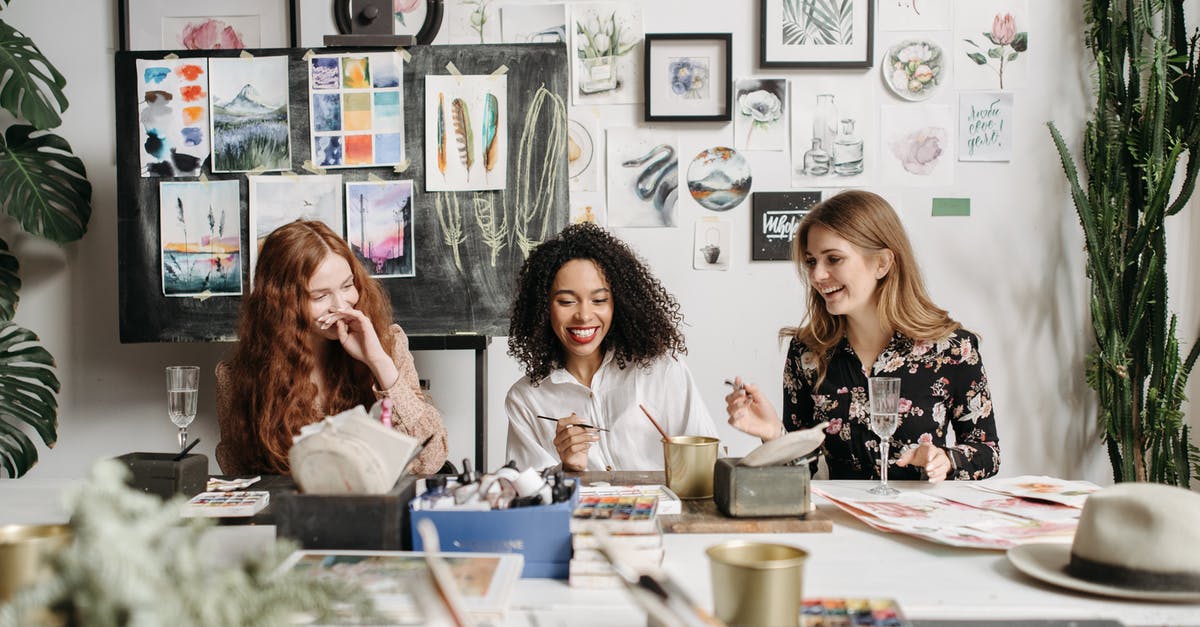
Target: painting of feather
466, 138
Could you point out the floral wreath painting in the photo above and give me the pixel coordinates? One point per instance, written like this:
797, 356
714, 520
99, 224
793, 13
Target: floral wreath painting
760, 111
914, 69
918, 145
992, 38
897, 15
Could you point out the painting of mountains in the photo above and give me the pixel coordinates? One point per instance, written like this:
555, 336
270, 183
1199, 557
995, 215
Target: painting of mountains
249, 114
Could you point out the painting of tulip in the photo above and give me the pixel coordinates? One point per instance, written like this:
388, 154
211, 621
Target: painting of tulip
918, 145
606, 53
992, 38
760, 106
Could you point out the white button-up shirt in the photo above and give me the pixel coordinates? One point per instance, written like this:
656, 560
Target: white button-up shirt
666, 388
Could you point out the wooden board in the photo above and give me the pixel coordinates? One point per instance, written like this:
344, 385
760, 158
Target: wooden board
702, 516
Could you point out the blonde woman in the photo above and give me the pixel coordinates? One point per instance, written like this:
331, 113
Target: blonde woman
869, 315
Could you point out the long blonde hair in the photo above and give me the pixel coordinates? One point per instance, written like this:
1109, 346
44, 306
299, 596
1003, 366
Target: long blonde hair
868, 222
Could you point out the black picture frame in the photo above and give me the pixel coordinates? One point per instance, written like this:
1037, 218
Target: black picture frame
773, 220
663, 102
774, 53
132, 37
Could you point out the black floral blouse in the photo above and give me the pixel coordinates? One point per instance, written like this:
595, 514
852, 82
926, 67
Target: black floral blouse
942, 385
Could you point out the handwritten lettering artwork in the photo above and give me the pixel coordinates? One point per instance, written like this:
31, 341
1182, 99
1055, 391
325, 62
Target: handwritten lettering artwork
173, 114
774, 217
985, 121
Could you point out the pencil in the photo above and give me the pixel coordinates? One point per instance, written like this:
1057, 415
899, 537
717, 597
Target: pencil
586, 426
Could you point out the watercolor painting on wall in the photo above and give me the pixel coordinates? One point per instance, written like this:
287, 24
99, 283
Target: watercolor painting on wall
408, 16
985, 126
606, 53
991, 44
588, 207
816, 33
916, 14
249, 114
379, 226
719, 178
466, 132
711, 245
224, 32
357, 109
760, 114
918, 141
200, 238
278, 200
583, 153
643, 178
534, 23
173, 115
774, 217
916, 67
833, 130
472, 21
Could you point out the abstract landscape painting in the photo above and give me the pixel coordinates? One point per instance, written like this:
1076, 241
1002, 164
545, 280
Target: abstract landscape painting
278, 200
200, 238
379, 226
357, 109
250, 114
466, 132
173, 116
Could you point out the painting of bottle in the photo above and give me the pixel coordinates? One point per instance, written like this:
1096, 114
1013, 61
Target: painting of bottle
824, 123
816, 160
847, 151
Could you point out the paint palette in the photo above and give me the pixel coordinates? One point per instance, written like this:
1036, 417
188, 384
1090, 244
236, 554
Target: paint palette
847, 612
226, 504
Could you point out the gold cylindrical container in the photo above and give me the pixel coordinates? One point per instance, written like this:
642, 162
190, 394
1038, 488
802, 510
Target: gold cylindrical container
689, 461
24, 550
757, 583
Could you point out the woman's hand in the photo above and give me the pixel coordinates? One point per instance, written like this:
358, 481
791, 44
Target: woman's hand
935, 461
357, 336
572, 443
749, 411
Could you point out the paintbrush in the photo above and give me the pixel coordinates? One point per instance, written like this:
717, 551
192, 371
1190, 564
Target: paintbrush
185, 450
585, 426
654, 422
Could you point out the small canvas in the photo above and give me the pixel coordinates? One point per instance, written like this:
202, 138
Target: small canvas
278, 200
991, 43
760, 114
916, 15
356, 112
173, 116
833, 130
773, 220
533, 23
250, 125
917, 144
379, 226
218, 32
711, 245
583, 153
643, 178
985, 126
200, 238
607, 43
466, 132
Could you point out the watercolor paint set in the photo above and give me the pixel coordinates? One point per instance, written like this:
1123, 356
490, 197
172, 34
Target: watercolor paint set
226, 504
853, 612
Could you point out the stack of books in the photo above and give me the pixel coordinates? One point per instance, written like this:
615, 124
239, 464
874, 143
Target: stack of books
631, 524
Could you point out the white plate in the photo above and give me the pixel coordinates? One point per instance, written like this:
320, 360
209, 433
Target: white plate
918, 53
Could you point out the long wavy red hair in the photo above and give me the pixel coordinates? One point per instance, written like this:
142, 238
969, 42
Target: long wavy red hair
272, 365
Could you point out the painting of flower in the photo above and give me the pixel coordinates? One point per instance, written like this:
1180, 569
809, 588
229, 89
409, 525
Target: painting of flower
912, 69
993, 36
689, 77
1007, 45
919, 140
761, 105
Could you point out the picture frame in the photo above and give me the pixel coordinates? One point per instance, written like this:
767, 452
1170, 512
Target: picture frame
790, 38
215, 24
773, 220
686, 77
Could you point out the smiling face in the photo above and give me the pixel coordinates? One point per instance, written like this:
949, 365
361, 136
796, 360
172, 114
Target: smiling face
331, 287
581, 310
845, 276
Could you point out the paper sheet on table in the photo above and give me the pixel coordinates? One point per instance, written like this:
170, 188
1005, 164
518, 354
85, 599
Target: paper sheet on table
1042, 488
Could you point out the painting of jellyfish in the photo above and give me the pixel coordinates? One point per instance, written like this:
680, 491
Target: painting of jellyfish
173, 116
379, 226
200, 238
250, 114
278, 200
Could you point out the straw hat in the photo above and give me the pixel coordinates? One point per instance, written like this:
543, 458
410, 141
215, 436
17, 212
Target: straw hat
1134, 540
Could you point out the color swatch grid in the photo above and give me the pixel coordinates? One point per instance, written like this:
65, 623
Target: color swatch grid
357, 112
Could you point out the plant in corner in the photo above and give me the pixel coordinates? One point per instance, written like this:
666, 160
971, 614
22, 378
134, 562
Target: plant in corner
45, 188
1143, 135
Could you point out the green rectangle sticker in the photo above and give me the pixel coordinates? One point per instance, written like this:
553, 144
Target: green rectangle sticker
951, 207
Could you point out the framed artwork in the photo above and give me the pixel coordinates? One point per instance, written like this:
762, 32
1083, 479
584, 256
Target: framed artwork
816, 33
686, 77
773, 222
211, 25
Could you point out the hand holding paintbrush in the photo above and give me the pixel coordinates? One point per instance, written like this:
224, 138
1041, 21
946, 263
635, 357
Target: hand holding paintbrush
572, 439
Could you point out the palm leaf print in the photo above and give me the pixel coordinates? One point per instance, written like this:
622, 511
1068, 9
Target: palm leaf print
818, 22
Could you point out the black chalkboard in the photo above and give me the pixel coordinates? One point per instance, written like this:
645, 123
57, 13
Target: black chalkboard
467, 293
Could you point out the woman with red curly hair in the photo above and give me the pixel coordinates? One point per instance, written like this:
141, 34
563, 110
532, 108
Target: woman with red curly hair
316, 339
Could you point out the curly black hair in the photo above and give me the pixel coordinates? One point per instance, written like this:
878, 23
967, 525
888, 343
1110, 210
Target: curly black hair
645, 323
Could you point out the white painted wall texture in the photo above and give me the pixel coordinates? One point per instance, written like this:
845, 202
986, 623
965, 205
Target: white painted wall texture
1013, 271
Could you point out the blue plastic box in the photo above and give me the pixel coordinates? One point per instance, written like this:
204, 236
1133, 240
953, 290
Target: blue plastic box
542, 534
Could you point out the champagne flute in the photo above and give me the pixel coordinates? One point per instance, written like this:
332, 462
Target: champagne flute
183, 388
884, 403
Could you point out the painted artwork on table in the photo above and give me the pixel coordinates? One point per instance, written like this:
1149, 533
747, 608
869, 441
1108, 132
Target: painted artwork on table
985, 126
408, 16
916, 67
379, 226
225, 32
357, 109
583, 153
606, 53
466, 132
917, 145
991, 44
719, 178
774, 217
200, 238
533, 23
173, 116
760, 114
916, 14
250, 126
643, 178
472, 21
711, 245
833, 130
278, 200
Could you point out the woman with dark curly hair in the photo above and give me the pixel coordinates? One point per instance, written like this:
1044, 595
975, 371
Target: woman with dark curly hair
598, 335
316, 338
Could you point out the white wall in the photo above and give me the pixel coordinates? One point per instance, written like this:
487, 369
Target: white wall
1012, 271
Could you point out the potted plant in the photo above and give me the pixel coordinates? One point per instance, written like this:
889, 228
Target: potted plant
1144, 135
45, 187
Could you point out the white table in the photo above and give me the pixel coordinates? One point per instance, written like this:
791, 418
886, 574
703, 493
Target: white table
929, 581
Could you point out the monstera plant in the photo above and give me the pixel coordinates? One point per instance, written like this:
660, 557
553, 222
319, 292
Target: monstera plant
45, 188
